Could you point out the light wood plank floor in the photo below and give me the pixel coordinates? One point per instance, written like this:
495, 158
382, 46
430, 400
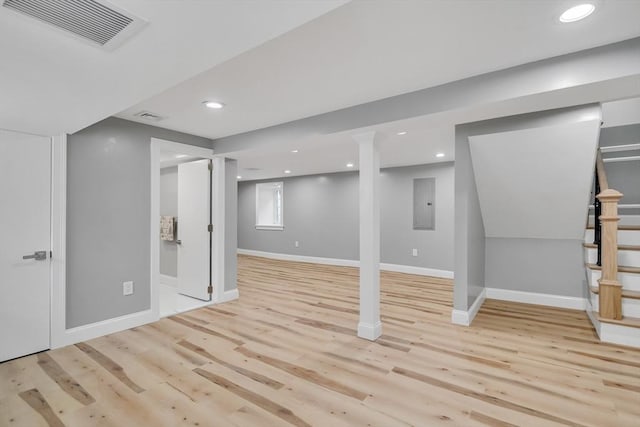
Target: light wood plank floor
286, 354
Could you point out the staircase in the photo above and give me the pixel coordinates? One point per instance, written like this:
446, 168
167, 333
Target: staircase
612, 259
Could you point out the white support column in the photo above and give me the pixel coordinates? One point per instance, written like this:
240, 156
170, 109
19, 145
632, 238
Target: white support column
224, 208
369, 326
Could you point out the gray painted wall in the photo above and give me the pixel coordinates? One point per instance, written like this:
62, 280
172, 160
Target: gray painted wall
321, 213
548, 266
169, 206
435, 247
108, 204
475, 260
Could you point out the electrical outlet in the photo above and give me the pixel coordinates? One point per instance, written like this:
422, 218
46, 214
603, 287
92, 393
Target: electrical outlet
414, 252
127, 288
296, 244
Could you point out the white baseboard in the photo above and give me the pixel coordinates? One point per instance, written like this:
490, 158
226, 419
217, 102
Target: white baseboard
422, 271
229, 296
105, 327
301, 258
168, 280
464, 318
369, 331
575, 303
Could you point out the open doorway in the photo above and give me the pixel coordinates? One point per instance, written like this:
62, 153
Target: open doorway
181, 224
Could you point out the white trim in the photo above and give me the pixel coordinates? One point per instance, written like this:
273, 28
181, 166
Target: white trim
300, 258
623, 206
616, 148
228, 296
593, 316
575, 303
620, 334
165, 279
621, 159
278, 227
465, 318
218, 201
270, 227
369, 331
58, 240
421, 271
105, 327
612, 333
158, 145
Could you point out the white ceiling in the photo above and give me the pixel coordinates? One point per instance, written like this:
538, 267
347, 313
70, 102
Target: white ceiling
514, 191
331, 153
368, 50
52, 83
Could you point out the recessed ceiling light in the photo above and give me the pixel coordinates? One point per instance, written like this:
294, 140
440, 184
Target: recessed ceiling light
440, 155
213, 104
294, 151
349, 165
239, 177
181, 156
577, 13
404, 132
287, 171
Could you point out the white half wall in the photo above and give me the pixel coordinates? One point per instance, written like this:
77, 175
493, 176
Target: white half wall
535, 183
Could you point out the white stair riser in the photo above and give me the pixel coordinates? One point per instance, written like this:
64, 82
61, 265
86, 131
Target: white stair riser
629, 281
625, 237
627, 258
630, 307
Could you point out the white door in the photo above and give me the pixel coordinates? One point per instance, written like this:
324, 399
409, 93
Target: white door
194, 217
25, 211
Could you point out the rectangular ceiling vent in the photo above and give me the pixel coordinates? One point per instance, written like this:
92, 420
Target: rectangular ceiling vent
147, 115
89, 20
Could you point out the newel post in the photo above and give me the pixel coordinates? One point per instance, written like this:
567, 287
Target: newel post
610, 290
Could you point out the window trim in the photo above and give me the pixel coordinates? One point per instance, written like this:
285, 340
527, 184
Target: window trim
259, 226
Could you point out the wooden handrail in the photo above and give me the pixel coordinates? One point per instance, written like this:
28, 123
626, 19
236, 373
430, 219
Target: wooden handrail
602, 175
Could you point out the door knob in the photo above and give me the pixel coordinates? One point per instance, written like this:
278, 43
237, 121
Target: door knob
38, 256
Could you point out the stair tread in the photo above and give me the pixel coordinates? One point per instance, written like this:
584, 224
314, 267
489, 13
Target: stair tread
620, 227
625, 293
621, 268
634, 322
620, 247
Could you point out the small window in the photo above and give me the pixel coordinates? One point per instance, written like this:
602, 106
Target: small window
269, 206
424, 209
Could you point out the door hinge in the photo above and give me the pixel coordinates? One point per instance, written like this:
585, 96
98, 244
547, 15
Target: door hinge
210, 228
210, 165
210, 289
50, 254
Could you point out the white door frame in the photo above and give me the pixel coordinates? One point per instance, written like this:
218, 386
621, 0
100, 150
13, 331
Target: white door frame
59, 336
157, 146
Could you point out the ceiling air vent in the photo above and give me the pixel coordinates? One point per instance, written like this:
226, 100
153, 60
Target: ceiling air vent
147, 115
89, 20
